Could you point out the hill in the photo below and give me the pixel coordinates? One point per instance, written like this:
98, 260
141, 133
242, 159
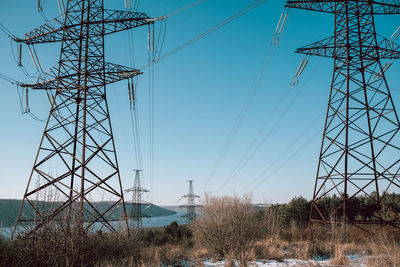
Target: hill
9, 210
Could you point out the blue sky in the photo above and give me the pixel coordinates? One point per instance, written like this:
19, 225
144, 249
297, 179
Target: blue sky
200, 93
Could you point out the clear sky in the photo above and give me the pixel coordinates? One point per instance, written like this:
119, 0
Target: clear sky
200, 94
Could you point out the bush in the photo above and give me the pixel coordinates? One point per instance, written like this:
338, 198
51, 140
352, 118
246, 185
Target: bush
227, 227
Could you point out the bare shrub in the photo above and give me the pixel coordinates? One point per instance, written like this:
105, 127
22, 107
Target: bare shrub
385, 251
227, 227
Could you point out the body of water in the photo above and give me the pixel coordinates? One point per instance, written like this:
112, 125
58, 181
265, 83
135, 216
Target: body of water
147, 222
164, 220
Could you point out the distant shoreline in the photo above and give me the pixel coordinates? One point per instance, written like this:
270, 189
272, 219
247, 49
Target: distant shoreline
9, 209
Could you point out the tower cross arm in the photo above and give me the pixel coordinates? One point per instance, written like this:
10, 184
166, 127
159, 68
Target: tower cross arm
137, 189
322, 6
110, 74
114, 21
190, 195
329, 6
386, 49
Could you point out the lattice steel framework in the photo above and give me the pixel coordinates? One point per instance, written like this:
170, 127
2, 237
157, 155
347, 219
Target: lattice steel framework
360, 153
76, 164
190, 205
137, 201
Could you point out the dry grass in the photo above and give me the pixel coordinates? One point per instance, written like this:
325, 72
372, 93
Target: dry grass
379, 250
272, 248
385, 251
339, 256
216, 235
166, 255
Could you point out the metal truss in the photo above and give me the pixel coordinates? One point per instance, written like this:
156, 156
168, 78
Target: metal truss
381, 7
137, 201
190, 205
360, 147
76, 165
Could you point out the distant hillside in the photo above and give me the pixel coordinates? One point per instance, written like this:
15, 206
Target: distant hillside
174, 208
9, 210
150, 210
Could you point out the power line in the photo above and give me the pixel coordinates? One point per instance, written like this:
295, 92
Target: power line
185, 8
289, 148
9, 79
307, 142
214, 28
236, 126
260, 75
154, 49
151, 62
6, 31
245, 159
134, 110
210, 30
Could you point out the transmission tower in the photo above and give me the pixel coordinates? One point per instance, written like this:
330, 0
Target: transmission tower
137, 192
190, 205
360, 147
76, 162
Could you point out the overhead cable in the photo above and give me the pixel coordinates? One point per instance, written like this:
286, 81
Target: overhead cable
185, 8
211, 30
247, 156
6, 31
283, 164
9, 79
250, 97
288, 149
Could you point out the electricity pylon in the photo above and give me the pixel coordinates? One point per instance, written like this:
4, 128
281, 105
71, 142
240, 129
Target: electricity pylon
190, 205
137, 192
360, 153
76, 162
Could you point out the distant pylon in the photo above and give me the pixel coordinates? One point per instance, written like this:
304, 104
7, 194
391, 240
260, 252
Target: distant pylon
360, 151
190, 205
137, 192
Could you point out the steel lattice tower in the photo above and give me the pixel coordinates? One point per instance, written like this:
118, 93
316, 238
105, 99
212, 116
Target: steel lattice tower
360, 147
76, 163
137, 192
190, 205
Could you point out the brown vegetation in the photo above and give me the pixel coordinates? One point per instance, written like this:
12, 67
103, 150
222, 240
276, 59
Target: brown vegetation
227, 228
152, 247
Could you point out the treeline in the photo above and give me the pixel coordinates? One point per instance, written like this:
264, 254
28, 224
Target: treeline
358, 208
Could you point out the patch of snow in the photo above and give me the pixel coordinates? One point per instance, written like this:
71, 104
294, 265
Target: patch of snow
354, 260
273, 263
